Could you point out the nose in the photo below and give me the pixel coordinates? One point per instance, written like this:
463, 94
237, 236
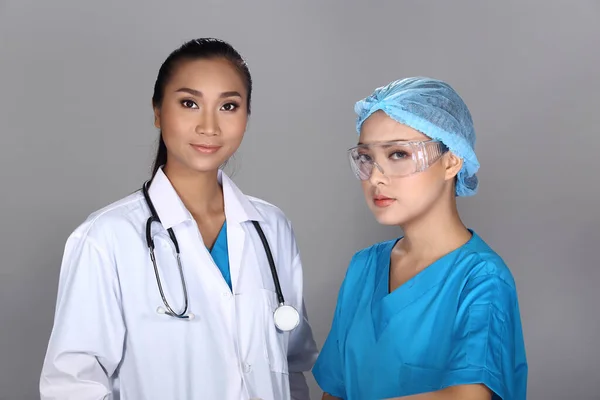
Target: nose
377, 175
208, 124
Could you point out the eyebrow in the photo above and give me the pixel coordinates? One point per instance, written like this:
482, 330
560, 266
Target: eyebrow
198, 93
389, 142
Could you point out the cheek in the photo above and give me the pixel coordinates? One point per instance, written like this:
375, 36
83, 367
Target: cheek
233, 127
367, 190
416, 188
176, 122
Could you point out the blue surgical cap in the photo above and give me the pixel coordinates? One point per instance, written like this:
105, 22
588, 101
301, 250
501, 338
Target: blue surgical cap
433, 108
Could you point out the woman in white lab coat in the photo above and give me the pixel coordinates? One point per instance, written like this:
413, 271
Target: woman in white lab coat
118, 333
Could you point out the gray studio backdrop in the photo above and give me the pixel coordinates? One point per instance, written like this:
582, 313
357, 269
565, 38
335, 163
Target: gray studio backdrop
76, 134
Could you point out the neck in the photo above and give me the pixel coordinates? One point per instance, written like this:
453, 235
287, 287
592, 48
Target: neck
200, 192
438, 232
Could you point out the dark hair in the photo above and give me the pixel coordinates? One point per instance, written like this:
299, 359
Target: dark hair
203, 48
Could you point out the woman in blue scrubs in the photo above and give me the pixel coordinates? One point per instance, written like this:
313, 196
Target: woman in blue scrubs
433, 314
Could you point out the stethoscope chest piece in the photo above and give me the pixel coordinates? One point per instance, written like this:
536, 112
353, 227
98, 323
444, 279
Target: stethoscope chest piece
286, 318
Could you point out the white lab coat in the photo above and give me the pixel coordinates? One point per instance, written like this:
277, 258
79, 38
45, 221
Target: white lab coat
109, 342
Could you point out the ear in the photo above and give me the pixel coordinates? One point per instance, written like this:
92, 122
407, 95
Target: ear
157, 117
452, 165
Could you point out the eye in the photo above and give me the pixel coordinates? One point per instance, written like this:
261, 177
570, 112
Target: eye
229, 107
189, 104
363, 158
399, 155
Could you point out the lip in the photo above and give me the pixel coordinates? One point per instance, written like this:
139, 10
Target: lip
206, 148
383, 201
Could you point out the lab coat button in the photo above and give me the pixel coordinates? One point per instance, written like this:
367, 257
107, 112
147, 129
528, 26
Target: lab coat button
247, 368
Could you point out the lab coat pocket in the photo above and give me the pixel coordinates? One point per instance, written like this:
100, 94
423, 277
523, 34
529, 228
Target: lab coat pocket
276, 341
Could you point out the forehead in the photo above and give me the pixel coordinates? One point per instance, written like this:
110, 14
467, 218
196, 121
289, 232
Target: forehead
207, 75
379, 127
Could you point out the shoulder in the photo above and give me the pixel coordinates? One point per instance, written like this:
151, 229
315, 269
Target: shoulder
272, 214
107, 224
370, 253
271, 217
487, 278
365, 261
483, 262
278, 229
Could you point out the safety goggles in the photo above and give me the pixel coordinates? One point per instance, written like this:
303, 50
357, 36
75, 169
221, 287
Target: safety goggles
394, 159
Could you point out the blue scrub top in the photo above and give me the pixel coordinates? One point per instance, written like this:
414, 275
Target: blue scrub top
220, 254
456, 322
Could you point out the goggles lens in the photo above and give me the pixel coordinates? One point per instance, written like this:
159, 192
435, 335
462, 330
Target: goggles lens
394, 159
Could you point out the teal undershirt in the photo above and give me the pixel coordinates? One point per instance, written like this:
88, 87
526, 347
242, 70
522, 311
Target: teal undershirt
220, 254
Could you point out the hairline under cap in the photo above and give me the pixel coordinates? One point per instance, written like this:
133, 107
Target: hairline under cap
421, 126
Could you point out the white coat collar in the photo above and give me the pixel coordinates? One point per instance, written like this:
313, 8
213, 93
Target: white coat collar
172, 211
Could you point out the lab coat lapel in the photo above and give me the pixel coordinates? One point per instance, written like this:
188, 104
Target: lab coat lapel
169, 207
236, 239
238, 212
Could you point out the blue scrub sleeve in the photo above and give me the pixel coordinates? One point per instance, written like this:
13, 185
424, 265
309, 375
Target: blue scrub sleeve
484, 349
328, 370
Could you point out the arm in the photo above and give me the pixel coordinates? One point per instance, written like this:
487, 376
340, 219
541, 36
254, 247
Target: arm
302, 353
461, 392
329, 369
302, 349
485, 358
87, 339
298, 387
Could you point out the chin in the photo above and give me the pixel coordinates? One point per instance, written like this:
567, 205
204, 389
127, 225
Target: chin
206, 163
206, 168
388, 220
389, 216
201, 166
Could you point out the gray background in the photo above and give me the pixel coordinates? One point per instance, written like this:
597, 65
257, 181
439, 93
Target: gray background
76, 80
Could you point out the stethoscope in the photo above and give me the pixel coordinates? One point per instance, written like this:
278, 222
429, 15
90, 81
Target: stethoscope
286, 317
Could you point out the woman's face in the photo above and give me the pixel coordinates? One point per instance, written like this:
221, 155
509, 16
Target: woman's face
399, 200
203, 114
